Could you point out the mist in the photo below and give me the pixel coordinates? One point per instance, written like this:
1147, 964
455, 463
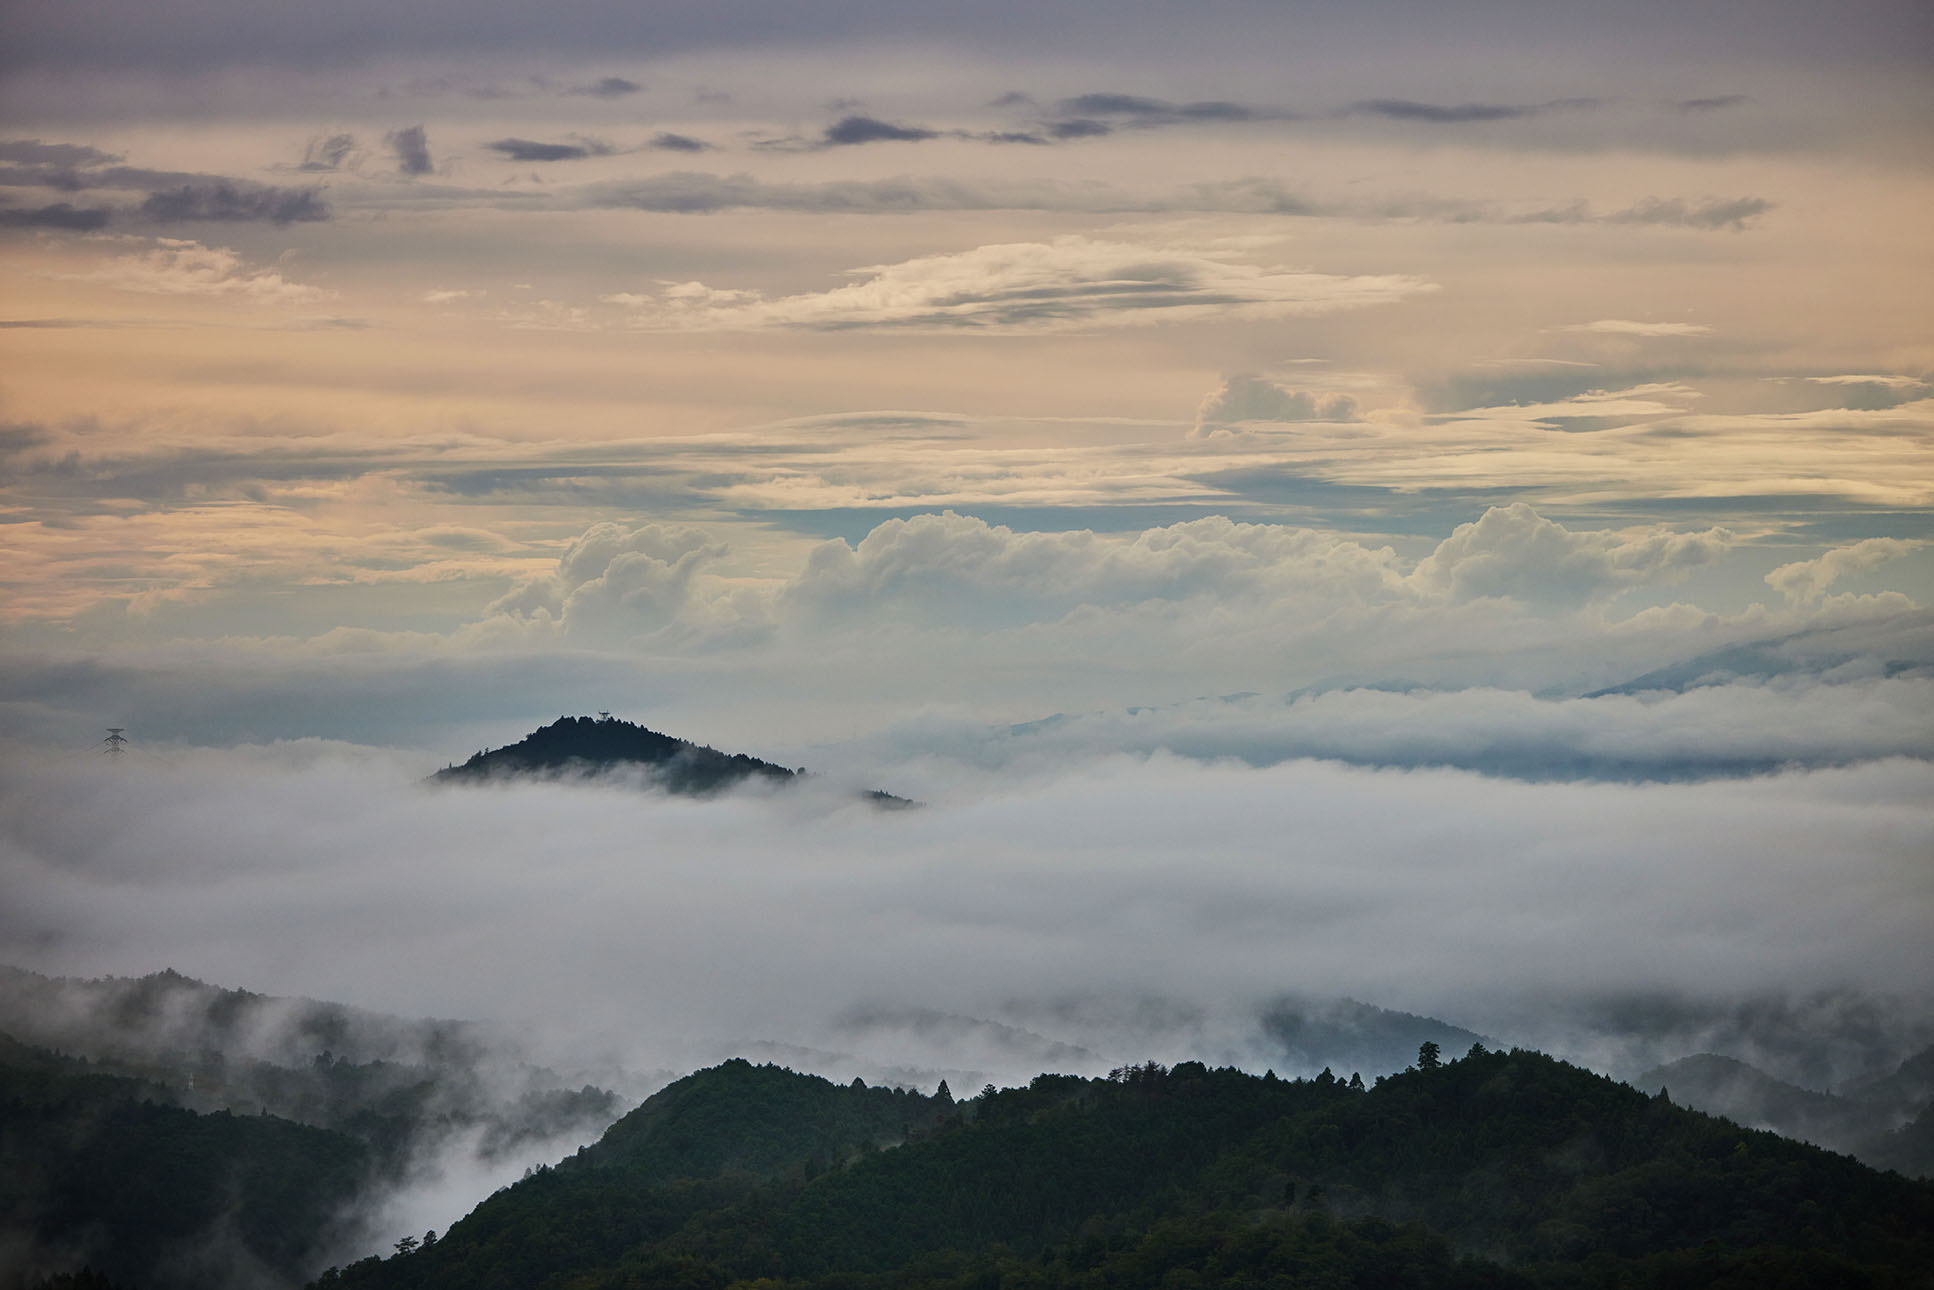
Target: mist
1118, 907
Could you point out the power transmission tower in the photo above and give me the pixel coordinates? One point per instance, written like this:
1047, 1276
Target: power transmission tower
117, 743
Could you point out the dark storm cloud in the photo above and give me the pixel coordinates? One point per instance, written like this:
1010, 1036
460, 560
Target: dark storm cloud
61, 215
611, 87
328, 152
666, 141
412, 148
532, 150
224, 200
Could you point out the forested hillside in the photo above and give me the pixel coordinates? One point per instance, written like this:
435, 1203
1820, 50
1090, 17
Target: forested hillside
1495, 1170
593, 745
102, 1170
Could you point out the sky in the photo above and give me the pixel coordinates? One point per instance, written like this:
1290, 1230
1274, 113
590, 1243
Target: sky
1497, 414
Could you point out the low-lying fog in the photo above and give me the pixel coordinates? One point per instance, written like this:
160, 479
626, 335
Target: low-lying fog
1121, 906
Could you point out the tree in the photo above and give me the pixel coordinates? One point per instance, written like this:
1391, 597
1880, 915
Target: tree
1429, 1055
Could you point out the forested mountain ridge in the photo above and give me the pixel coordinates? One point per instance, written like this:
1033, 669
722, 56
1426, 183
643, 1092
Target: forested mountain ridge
604, 745
106, 1170
1886, 1121
1501, 1169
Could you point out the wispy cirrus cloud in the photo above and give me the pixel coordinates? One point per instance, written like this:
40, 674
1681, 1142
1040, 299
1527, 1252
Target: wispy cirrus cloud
182, 267
1630, 327
1072, 282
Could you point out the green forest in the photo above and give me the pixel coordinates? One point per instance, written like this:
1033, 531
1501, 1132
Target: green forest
1496, 1169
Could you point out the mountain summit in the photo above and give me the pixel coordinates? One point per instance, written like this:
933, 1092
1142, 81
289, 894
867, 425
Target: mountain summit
604, 745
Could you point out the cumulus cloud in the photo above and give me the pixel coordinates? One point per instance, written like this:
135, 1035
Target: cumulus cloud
181, 267
1513, 551
1245, 397
1211, 584
1070, 283
614, 582
1807, 580
411, 146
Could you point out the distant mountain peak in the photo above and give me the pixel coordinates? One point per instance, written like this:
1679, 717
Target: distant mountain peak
604, 745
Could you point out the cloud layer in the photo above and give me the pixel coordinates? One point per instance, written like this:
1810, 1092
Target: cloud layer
665, 928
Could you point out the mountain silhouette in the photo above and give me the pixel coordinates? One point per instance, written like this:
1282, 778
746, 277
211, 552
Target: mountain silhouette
605, 745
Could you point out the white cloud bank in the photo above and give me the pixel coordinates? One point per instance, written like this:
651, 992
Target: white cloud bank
662, 930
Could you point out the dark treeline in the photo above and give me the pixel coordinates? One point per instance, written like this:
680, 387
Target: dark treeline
1499, 1169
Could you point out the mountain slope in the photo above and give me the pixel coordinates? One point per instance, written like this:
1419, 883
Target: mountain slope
102, 1170
1886, 1121
1541, 1173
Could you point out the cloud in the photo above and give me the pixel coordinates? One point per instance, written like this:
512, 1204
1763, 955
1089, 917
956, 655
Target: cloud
1087, 116
32, 152
1513, 551
1461, 113
609, 87
614, 583
1807, 580
180, 267
1055, 898
698, 192
865, 129
412, 148
1245, 397
1626, 327
61, 215
328, 152
1071, 283
1712, 213
1079, 128
531, 150
666, 141
1713, 104
172, 196
1731, 726
222, 200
